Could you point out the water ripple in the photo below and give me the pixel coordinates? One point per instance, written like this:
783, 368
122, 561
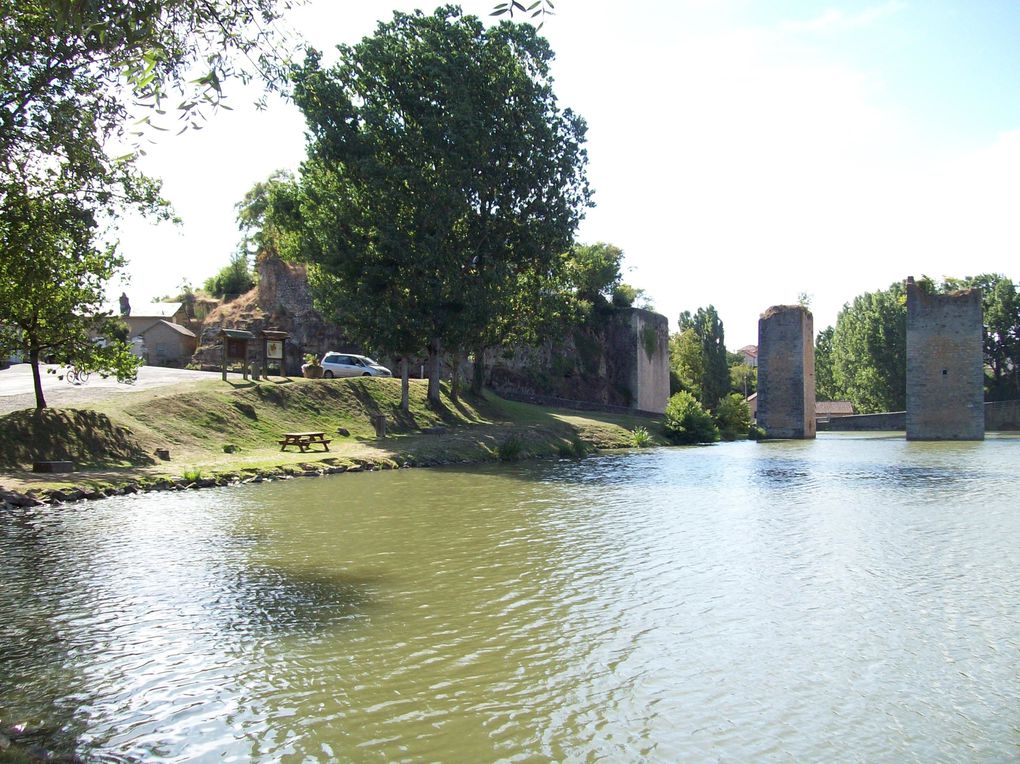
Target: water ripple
847, 599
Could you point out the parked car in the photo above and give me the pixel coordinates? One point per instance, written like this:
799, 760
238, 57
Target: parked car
350, 365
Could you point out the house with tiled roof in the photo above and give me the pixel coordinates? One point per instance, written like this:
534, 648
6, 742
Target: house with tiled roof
168, 344
750, 354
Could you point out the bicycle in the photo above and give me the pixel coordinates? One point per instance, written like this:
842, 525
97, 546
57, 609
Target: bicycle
77, 376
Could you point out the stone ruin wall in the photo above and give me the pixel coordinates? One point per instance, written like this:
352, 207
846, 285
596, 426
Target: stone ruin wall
607, 363
282, 300
786, 372
945, 365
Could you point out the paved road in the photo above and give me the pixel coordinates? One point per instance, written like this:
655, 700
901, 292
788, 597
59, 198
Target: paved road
16, 391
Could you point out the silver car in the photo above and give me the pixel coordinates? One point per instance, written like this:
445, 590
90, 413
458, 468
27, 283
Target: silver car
350, 365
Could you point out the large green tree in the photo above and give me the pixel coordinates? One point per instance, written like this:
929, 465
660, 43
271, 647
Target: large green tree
443, 180
52, 292
869, 350
825, 381
72, 74
714, 379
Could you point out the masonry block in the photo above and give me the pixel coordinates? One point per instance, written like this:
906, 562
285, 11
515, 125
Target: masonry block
786, 372
945, 365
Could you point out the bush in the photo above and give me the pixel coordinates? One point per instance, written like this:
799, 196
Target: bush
640, 437
733, 417
686, 421
510, 449
232, 280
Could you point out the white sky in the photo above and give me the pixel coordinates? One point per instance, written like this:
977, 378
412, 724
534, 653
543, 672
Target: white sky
741, 151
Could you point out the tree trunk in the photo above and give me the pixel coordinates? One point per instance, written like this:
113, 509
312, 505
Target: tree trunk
478, 371
435, 367
458, 358
405, 396
33, 359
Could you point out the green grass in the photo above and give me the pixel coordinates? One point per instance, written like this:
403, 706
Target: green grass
215, 427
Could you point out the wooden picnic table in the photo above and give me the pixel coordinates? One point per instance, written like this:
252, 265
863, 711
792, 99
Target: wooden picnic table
304, 440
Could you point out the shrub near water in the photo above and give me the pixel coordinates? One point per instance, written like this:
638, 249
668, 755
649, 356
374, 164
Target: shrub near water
687, 422
733, 417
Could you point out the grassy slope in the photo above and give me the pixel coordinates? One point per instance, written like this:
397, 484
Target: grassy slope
115, 441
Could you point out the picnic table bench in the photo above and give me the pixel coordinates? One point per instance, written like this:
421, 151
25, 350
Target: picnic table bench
304, 440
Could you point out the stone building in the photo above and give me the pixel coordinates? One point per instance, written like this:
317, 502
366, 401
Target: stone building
786, 372
945, 365
168, 344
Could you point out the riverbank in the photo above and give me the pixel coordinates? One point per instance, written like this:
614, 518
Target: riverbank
221, 433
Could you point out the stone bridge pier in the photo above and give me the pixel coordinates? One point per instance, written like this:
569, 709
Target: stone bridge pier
786, 372
945, 365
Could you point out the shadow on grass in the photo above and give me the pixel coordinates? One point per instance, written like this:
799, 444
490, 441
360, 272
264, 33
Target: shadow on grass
85, 437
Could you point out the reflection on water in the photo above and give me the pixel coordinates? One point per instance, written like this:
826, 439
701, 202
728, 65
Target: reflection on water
849, 598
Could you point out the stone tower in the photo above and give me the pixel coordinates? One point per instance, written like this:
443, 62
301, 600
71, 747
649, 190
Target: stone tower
786, 372
945, 365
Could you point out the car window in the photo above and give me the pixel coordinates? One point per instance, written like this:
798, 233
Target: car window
331, 359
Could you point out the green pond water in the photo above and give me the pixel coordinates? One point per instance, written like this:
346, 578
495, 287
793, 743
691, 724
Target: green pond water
852, 598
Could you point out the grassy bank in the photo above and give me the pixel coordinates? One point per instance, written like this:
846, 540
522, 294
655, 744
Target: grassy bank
229, 430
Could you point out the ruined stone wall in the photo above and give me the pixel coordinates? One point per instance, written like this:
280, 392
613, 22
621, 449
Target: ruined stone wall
650, 375
786, 372
606, 362
945, 377
282, 300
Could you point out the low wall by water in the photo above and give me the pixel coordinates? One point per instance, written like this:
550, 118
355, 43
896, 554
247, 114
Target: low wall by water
889, 420
565, 403
999, 415
1002, 415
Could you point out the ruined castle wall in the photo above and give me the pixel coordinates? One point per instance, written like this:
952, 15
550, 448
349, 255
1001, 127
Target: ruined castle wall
786, 372
650, 371
621, 359
945, 376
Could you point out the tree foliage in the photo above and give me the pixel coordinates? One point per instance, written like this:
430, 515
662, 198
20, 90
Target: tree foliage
233, 279
594, 271
708, 374
686, 420
825, 382
863, 358
443, 181
869, 350
71, 73
52, 289
733, 417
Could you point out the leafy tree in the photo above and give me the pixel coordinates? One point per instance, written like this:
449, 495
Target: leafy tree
51, 293
593, 271
233, 279
825, 382
714, 381
269, 217
441, 176
743, 378
70, 74
733, 417
686, 362
869, 359
628, 296
686, 421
